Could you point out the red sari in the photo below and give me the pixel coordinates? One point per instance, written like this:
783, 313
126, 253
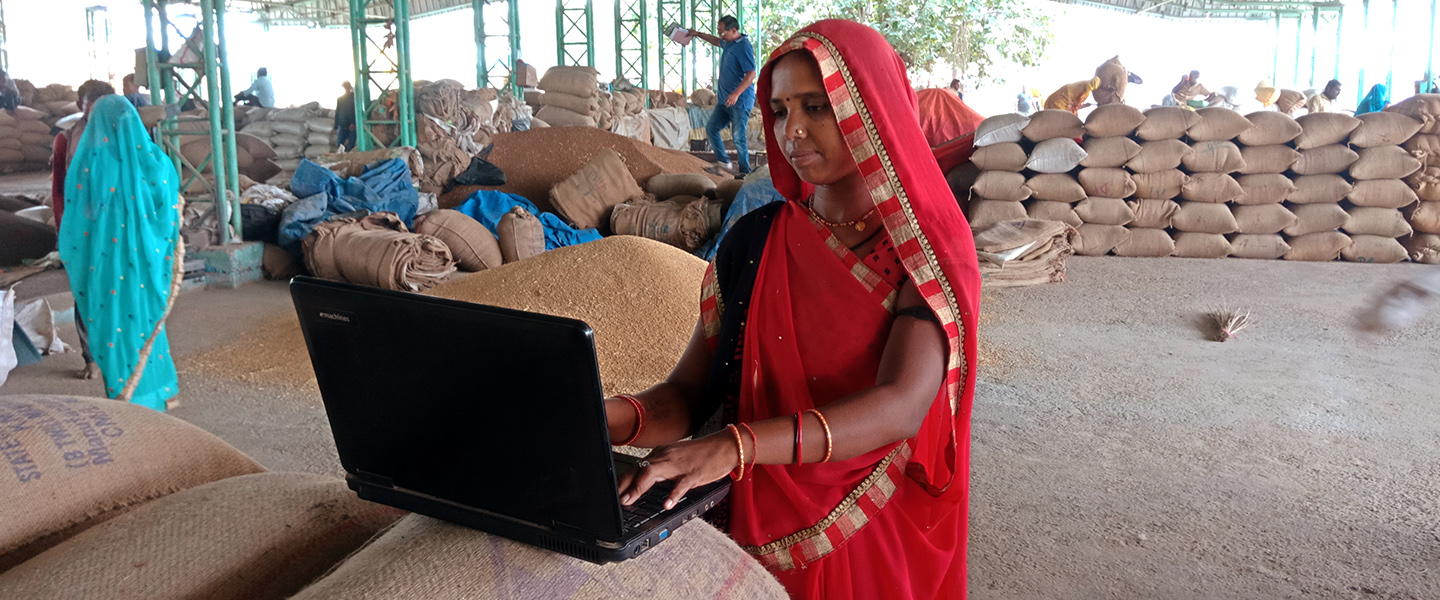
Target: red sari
806, 325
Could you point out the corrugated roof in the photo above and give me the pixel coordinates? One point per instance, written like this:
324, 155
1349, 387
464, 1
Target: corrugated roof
334, 13
1209, 9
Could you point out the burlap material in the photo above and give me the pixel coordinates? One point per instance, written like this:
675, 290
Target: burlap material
576, 81
1264, 189
560, 117
1001, 129
1113, 120
472, 245
1001, 185
1382, 193
1107, 151
1166, 123
1384, 162
520, 234
1261, 160
1055, 187
76, 462
1059, 155
1159, 155
1424, 108
1211, 187
1323, 246
984, 213
1319, 189
669, 185
439, 99
1316, 218
1424, 248
726, 190
1099, 240
1385, 222
1201, 245
680, 221
1143, 242
1267, 247
1046, 210
1426, 183
1214, 157
1374, 249
586, 197
1324, 129
1270, 128
377, 251
576, 104
1323, 160
1383, 129
278, 264
1151, 213
1204, 217
1050, 124
1162, 185
1008, 156
704, 98
1263, 218
1425, 217
1114, 78
1104, 211
1110, 183
1424, 147
252, 537
25, 113
1218, 124
1050, 243
1289, 102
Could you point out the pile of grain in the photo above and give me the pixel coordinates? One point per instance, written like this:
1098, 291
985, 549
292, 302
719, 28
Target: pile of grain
641, 298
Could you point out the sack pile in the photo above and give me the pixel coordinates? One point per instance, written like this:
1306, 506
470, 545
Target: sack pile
26, 138
378, 251
295, 133
571, 98
1424, 216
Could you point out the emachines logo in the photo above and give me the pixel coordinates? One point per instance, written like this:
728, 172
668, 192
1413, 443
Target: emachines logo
338, 317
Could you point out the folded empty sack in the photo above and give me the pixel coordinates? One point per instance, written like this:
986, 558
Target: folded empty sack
377, 251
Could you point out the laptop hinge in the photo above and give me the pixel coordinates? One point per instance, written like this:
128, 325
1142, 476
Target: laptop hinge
574, 533
369, 478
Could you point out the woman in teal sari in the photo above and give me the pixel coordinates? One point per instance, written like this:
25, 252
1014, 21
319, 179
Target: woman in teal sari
1375, 101
118, 241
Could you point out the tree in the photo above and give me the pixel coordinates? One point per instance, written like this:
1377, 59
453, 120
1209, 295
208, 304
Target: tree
975, 36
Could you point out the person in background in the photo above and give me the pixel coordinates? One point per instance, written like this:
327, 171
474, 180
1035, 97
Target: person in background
736, 89
1190, 89
1325, 100
345, 134
958, 88
65, 142
132, 92
9, 92
1072, 97
262, 89
1022, 102
1375, 101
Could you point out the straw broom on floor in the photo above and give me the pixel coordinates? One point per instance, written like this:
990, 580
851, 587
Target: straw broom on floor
1229, 322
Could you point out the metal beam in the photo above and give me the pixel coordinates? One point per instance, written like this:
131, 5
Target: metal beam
1430, 57
575, 33
1275, 69
97, 33
231, 182
218, 135
674, 74
632, 48
1364, 42
494, 72
1390, 70
1299, 28
1314, 41
1339, 38
383, 84
704, 16
4, 49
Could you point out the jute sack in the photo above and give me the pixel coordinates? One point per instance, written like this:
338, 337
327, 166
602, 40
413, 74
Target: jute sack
1110, 183
1201, 245
1099, 240
1001, 185
1267, 247
1324, 129
1104, 211
1214, 157
1289, 101
1159, 155
1001, 129
1386, 222
37, 127
1058, 155
1056, 188
669, 185
521, 235
681, 221
1324, 246
1162, 185
1383, 129
1316, 218
1166, 123
252, 537
1264, 189
1425, 147
379, 251
984, 213
1424, 248
1211, 187
1319, 189
1426, 183
1218, 124
576, 104
586, 197
1270, 128
1151, 213
1263, 219
36, 154
1268, 159
1046, 210
576, 81
1143, 242
1324, 160
36, 138
1108, 151
25, 113
1049, 124
560, 117
1204, 217
472, 245
421, 558
1008, 156
1374, 249
726, 190
11, 156
1382, 193
1113, 120
1384, 162
1425, 217
75, 462
1421, 107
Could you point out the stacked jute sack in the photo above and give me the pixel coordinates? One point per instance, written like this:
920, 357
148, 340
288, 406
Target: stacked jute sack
1424, 216
295, 133
571, 97
1027, 159
453, 125
26, 140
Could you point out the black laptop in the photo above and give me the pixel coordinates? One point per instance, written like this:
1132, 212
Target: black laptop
483, 416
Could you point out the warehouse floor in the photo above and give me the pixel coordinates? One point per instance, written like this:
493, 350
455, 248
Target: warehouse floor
1117, 453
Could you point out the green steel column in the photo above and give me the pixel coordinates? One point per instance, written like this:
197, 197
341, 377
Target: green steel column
1314, 41
1275, 69
364, 138
1299, 28
632, 48
1390, 70
167, 80
152, 58
217, 145
673, 71
514, 22
575, 33
482, 67
1430, 56
406, 104
1364, 43
232, 164
4, 51
1339, 37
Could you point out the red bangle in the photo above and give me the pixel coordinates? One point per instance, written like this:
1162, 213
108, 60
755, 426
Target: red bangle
799, 442
639, 419
754, 444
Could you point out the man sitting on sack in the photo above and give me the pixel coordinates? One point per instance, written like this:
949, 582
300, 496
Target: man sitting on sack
736, 90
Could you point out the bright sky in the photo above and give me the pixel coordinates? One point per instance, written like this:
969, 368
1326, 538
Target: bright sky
47, 44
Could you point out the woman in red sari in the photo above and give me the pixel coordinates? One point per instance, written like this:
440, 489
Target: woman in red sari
836, 340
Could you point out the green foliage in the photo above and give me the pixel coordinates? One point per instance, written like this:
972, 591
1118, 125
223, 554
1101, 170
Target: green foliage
975, 36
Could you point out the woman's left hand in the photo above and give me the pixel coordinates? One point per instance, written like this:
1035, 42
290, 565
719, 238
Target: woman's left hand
689, 464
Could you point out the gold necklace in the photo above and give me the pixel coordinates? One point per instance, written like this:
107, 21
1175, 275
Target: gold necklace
858, 224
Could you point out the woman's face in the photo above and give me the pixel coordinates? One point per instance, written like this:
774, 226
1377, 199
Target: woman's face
805, 122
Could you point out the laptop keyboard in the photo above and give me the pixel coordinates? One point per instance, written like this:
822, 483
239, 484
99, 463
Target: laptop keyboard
648, 506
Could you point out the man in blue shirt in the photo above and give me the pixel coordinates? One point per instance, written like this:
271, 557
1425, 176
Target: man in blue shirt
262, 90
736, 90
132, 92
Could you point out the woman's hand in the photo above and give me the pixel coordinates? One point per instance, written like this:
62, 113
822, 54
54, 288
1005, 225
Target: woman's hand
690, 464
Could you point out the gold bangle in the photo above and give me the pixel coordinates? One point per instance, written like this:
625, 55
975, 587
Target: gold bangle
829, 441
739, 448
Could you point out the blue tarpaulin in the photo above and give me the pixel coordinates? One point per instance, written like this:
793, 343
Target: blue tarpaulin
752, 195
488, 206
384, 187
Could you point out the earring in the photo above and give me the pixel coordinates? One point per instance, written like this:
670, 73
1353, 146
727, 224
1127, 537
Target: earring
799, 131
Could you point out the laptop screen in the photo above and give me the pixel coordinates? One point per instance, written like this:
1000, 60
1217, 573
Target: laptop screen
494, 409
